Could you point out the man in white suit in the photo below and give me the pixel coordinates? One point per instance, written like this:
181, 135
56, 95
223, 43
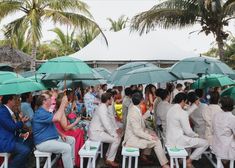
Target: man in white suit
102, 129
138, 136
178, 131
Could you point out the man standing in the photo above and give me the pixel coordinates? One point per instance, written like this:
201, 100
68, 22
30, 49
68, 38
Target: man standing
138, 136
102, 129
46, 137
8, 127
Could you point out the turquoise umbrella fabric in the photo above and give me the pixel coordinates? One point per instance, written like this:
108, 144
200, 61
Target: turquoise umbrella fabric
124, 69
201, 66
229, 92
65, 68
213, 80
145, 75
103, 72
5, 75
19, 85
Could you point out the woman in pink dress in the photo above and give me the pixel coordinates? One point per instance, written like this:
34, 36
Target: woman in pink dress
70, 129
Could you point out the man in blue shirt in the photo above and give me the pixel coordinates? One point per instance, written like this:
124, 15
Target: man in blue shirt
8, 127
46, 137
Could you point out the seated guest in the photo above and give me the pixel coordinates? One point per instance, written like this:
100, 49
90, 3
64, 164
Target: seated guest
69, 129
138, 136
223, 126
162, 109
8, 128
26, 109
102, 129
178, 131
209, 113
46, 137
199, 124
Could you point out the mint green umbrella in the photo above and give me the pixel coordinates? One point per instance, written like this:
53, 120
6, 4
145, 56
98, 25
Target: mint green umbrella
124, 69
19, 85
212, 80
103, 72
6, 75
229, 92
201, 65
145, 75
65, 65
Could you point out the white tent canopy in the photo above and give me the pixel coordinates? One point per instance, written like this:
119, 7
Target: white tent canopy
130, 46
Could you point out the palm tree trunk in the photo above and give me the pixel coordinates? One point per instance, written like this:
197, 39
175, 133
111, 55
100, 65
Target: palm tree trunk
220, 43
33, 55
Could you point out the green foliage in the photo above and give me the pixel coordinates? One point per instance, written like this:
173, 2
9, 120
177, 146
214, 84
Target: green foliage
213, 15
119, 24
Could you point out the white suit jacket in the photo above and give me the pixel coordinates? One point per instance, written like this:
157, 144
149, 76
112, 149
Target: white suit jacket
198, 121
162, 110
102, 121
223, 143
136, 133
178, 130
208, 114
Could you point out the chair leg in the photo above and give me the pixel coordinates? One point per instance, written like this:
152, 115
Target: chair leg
231, 164
172, 162
37, 162
6, 162
219, 163
184, 162
49, 162
101, 150
129, 162
81, 162
123, 161
136, 161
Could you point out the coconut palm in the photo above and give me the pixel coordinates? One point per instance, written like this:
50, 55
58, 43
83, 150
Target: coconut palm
69, 12
64, 42
17, 41
213, 15
85, 36
119, 24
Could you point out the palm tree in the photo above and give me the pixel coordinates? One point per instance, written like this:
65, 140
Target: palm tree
119, 24
213, 15
17, 41
37, 11
85, 36
64, 42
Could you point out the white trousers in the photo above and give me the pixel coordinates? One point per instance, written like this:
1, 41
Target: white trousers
59, 146
104, 137
201, 147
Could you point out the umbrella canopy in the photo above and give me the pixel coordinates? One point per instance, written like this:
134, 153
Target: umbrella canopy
19, 85
229, 92
65, 66
103, 72
93, 75
46, 83
124, 69
213, 80
5, 75
184, 75
145, 75
201, 65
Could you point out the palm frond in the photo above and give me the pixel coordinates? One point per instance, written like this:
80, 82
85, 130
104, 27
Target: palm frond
68, 18
60, 34
168, 14
9, 7
67, 5
229, 7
